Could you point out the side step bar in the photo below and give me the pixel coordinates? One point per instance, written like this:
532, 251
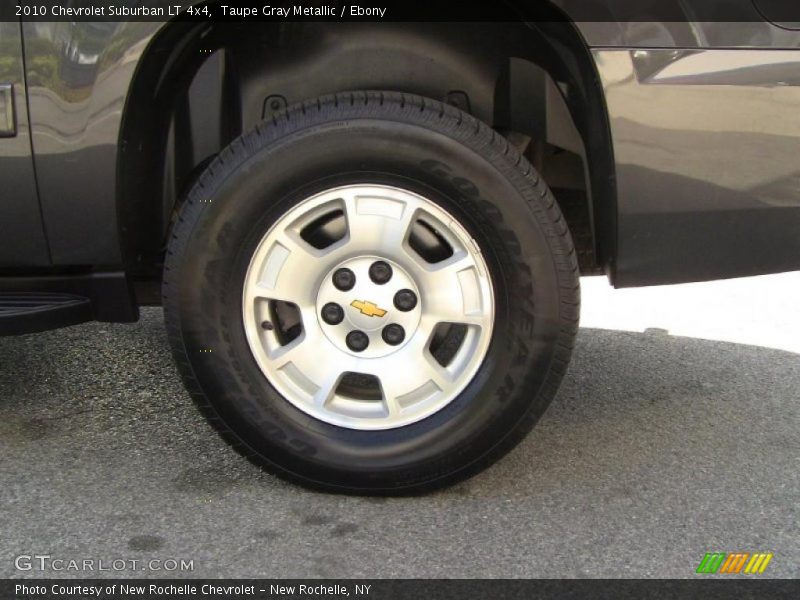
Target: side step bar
33, 303
31, 312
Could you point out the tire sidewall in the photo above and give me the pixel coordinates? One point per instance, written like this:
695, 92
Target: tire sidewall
232, 211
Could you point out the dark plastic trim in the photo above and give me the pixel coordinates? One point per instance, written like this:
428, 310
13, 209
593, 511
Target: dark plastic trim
31, 312
109, 293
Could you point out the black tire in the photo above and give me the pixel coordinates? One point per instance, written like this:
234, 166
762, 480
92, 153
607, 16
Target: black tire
411, 142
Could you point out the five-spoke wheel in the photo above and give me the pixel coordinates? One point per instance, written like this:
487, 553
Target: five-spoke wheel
387, 330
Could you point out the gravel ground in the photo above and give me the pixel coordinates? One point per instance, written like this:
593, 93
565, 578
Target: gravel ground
657, 449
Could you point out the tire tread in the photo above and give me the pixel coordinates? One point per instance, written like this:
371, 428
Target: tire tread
428, 113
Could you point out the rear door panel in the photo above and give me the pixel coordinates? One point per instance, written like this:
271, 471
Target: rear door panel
22, 238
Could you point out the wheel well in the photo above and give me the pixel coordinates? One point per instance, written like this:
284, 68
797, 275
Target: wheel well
199, 86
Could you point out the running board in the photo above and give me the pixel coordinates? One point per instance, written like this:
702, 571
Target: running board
31, 312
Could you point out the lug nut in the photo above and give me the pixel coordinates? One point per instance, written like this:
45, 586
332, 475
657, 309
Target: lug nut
393, 334
357, 341
344, 279
380, 272
332, 313
405, 300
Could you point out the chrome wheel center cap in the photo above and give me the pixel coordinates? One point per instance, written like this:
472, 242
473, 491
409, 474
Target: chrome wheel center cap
370, 307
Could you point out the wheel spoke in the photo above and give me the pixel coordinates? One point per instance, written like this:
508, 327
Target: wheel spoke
301, 360
453, 292
327, 388
376, 223
297, 352
415, 370
448, 307
288, 272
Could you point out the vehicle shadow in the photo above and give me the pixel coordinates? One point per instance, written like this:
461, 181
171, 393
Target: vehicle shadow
628, 402
635, 403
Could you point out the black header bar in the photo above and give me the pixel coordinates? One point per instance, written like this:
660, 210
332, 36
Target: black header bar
784, 12
741, 588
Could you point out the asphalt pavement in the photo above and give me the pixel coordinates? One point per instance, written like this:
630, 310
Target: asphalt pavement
658, 449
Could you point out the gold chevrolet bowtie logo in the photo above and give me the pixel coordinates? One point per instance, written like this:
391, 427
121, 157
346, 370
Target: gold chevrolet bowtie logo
368, 308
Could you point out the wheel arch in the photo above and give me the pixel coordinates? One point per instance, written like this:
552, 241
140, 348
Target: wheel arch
199, 85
